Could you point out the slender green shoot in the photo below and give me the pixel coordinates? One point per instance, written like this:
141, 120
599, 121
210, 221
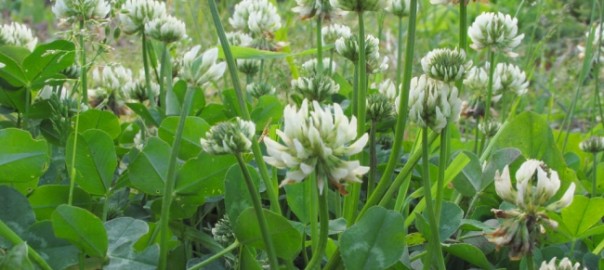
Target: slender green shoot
317, 253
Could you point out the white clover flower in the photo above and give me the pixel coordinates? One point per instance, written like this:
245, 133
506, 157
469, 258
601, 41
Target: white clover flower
223, 232
81, 9
594, 144
239, 39
137, 90
379, 107
510, 78
332, 32
476, 79
258, 17
16, 34
260, 89
248, 66
309, 8
360, 5
433, 103
316, 88
201, 69
311, 66
349, 48
167, 29
317, 140
496, 31
112, 77
564, 264
445, 64
388, 89
490, 128
136, 13
229, 137
399, 8
444, 2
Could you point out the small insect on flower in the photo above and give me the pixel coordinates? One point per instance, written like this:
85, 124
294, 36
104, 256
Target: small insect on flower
317, 139
231, 137
16, 34
495, 31
446, 65
594, 144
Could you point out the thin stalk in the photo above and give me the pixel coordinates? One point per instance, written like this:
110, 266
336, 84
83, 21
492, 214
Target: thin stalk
268, 242
434, 252
27, 106
373, 162
442, 166
463, 25
167, 97
271, 185
11, 236
72, 170
146, 69
597, 101
106, 206
170, 180
83, 69
355, 90
319, 45
362, 65
317, 255
594, 186
530, 262
312, 194
399, 54
216, 256
487, 110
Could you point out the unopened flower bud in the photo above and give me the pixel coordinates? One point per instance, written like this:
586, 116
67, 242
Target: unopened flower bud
229, 137
260, 89
317, 87
445, 64
378, 107
594, 144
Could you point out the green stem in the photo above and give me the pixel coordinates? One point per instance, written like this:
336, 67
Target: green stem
106, 206
72, 170
317, 255
487, 110
355, 90
399, 54
146, 69
83, 69
312, 195
373, 162
442, 166
268, 242
10, 235
167, 97
319, 46
271, 185
463, 25
215, 256
594, 186
171, 179
362, 98
434, 252
530, 262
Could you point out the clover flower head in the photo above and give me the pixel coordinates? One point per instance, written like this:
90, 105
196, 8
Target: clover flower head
400, 8
444, 2
222, 232
112, 77
311, 66
309, 8
446, 65
349, 48
230, 137
201, 69
490, 128
167, 29
510, 78
71, 72
81, 9
360, 5
16, 34
258, 17
259, 89
476, 79
248, 66
332, 32
379, 107
317, 87
135, 14
564, 264
317, 139
239, 39
594, 144
433, 103
388, 89
496, 31
137, 90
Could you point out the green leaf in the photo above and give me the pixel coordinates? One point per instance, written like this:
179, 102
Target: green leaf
81, 228
469, 180
209, 183
286, 239
12, 76
149, 169
47, 60
214, 113
251, 53
269, 109
297, 201
15, 211
22, 158
582, 214
150, 117
469, 253
95, 160
375, 242
450, 220
195, 128
45, 199
236, 195
103, 120
16, 258
59, 253
123, 233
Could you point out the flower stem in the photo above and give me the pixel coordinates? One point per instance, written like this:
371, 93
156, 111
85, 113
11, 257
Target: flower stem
10, 235
317, 255
170, 180
72, 170
312, 198
463, 25
434, 250
530, 262
362, 65
83, 69
399, 54
594, 179
270, 249
487, 110
167, 97
216, 256
373, 162
442, 166
271, 185
146, 69
319, 46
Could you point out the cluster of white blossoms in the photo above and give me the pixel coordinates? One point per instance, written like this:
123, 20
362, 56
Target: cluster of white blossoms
379, 107
16, 34
594, 144
317, 87
200, 69
334, 31
509, 78
135, 14
317, 139
476, 79
444, 2
73, 10
348, 46
167, 29
112, 78
230, 137
399, 8
120, 83
564, 264
433, 103
258, 17
495, 31
360, 5
259, 89
536, 185
446, 65
310, 8
489, 128
311, 66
